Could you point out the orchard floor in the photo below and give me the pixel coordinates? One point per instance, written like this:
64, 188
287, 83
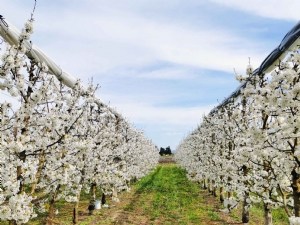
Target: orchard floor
164, 197
167, 197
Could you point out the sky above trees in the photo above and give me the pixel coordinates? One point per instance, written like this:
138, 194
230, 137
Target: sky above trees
161, 63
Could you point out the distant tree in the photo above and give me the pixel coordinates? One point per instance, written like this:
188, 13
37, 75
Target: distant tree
166, 151
162, 151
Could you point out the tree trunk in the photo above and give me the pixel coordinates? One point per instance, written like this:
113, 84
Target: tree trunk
286, 209
221, 194
75, 210
75, 213
296, 192
246, 206
268, 215
103, 199
93, 191
91, 207
51, 212
214, 189
229, 194
204, 184
115, 195
209, 186
39, 172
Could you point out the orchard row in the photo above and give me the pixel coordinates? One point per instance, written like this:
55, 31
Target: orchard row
249, 148
56, 141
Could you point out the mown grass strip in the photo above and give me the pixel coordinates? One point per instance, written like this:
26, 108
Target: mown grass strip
168, 196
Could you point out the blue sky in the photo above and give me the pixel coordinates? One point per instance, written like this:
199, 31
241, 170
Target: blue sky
161, 63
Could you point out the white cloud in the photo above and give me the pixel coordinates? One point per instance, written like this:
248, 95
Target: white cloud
96, 36
167, 74
165, 125
148, 113
109, 38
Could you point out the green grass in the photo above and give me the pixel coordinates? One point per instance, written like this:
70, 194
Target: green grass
257, 215
168, 196
279, 215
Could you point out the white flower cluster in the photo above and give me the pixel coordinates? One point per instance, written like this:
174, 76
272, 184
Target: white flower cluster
18, 208
250, 146
56, 142
294, 220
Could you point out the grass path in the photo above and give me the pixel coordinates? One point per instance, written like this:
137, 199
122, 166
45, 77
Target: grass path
166, 197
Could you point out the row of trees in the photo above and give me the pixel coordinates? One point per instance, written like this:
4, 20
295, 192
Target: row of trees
249, 148
56, 142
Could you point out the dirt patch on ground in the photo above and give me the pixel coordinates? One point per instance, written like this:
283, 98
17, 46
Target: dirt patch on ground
167, 159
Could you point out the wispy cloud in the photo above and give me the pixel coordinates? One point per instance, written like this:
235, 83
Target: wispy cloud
165, 125
276, 9
148, 113
114, 38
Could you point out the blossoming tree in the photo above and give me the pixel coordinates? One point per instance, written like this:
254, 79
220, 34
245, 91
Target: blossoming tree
58, 139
